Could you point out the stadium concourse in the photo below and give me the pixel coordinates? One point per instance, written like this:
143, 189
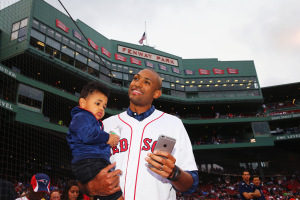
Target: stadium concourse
233, 123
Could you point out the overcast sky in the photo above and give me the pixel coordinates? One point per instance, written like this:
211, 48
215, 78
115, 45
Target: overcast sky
266, 31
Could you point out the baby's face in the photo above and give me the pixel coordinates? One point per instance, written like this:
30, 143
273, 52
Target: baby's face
95, 103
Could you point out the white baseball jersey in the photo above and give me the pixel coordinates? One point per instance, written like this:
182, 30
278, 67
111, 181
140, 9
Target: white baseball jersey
137, 139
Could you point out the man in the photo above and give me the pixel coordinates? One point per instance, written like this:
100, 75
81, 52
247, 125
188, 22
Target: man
147, 174
257, 186
40, 185
246, 188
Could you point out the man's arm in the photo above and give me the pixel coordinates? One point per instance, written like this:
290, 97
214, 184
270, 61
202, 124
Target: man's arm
105, 183
166, 168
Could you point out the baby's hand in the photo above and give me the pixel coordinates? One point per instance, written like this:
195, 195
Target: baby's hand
113, 140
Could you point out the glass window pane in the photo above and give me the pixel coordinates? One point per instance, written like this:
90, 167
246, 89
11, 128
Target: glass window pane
43, 28
58, 37
97, 59
78, 48
116, 75
165, 84
22, 32
24, 23
31, 92
125, 77
38, 35
14, 35
50, 32
72, 44
67, 51
65, 40
85, 51
81, 58
35, 24
91, 55
93, 64
15, 26
53, 43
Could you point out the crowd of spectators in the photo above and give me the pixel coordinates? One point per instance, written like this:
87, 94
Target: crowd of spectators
214, 185
217, 187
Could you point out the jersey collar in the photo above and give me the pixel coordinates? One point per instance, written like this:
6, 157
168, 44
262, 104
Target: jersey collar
142, 116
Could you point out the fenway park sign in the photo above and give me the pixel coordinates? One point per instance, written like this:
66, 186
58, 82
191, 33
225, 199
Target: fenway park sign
146, 55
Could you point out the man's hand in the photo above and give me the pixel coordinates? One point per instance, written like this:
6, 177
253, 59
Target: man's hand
161, 162
164, 166
105, 183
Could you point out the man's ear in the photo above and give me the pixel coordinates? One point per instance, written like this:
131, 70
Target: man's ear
82, 103
157, 94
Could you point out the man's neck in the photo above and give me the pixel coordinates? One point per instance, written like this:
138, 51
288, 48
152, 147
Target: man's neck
139, 109
248, 182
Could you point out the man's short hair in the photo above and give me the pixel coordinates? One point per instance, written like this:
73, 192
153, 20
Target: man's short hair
92, 87
245, 171
255, 176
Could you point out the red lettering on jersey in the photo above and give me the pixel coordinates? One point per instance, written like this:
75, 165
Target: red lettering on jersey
123, 145
153, 146
147, 142
115, 150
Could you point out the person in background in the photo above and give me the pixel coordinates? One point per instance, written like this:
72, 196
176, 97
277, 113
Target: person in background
55, 195
246, 188
257, 186
71, 191
39, 187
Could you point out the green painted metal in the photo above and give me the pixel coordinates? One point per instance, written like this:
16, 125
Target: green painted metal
37, 119
260, 142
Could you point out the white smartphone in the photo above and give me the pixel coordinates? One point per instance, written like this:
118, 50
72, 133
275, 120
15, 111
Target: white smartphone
165, 143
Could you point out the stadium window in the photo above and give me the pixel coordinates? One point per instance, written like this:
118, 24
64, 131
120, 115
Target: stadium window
166, 84
125, 77
105, 78
67, 59
37, 35
93, 72
43, 28
91, 55
114, 66
125, 69
35, 24
50, 32
52, 52
85, 51
191, 95
167, 77
80, 65
65, 41
120, 68
172, 86
80, 58
37, 44
104, 70
72, 44
179, 87
67, 51
166, 91
58, 37
116, 75
53, 43
29, 97
78, 48
93, 64
97, 59
19, 30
